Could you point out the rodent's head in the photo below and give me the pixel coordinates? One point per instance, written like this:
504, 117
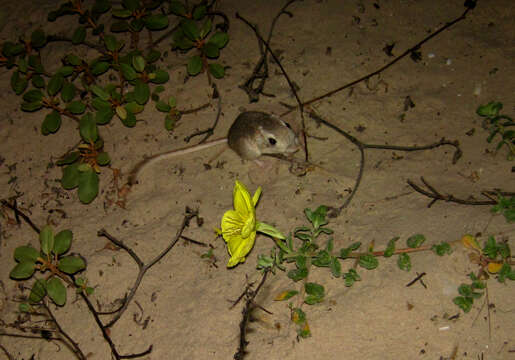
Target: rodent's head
277, 138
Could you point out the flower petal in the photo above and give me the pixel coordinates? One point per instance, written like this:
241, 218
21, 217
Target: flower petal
232, 222
242, 201
256, 196
239, 248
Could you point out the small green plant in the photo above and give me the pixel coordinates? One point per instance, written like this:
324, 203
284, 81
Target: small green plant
190, 35
117, 82
50, 258
506, 207
493, 258
498, 124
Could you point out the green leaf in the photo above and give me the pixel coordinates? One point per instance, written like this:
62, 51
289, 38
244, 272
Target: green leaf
181, 41
23, 270
33, 95
463, 303
51, 124
156, 22
76, 107
26, 253
159, 77
100, 104
190, 29
489, 110
62, 242
314, 289
31, 106
38, 291
121, 13
490, 248
170, 122
351, 277
152, 56
390, 248
194, 65
104, 116
103, 159
56, 291
141, 92
285, 295
138, 62
88, 186
99, 67
46, 239
177, 8
404, 262
128, 72
38, 39
79, 35
163, 107
336, 267
298, 274
70, 178
134, 107
38, 81
73, 60
65, 70
368, 261
415, 241
68, 158
111, 43
323, 258
441, 249
199, 12
71, 264
101, 93
219, 39
68, 91
345, 252
55, 84
211, 50
317, 217
206, 28
269, 230
18, 83
88, 129
10, 49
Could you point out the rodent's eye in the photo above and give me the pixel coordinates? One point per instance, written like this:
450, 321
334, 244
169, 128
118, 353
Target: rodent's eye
287, 125
272, 141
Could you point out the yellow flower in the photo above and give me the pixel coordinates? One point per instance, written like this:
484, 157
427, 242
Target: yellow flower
239, 226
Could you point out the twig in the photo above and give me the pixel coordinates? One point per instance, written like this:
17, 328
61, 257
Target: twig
469, 4
209, 131
334, 212
143, 268
435, 195
247, 310
70, 343
290, 83
20, 214
419, 277
261, 68
9, 356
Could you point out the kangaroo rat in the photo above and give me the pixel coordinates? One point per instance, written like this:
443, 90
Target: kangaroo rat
252, 134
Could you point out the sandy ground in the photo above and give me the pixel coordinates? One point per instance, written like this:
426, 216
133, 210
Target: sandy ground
185, 298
